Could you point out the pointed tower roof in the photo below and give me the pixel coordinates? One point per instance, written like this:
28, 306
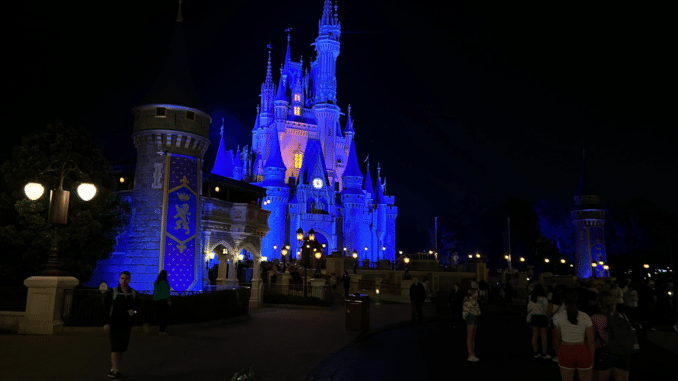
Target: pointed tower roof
174, 84
219, 167
282, 89
586, 186
256, 121
274, 157
236, 160
313, 164
352, 167
349, 122
379, 196
368, 181
288, 56
328, 17
269, 75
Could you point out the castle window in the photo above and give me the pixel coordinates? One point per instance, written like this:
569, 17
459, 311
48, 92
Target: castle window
297, 160
160, 112
297, 97
297, 111
190, 115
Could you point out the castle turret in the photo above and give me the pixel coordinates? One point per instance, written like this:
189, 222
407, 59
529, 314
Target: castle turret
277, 196
237, 165
220, 167
589, 221
267, 95
171, 135
380, 203
325, 110
353, 202
281, 103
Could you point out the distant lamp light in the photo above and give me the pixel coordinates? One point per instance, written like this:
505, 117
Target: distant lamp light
275, 247
355, 254
400, 252
377, 291
122, 180
324, 245
308, 246
646, 266
264, 259
300, 234
506, 257
430, 251
477, 255
224, 251
318, 255
407, 260
470, 255
365, 248
606, 267
311, 235
546, 260
87, 191
211, 255
241, 257
283, 252
594, 264
216, 189
34, 191
571, 265
601, 263
522, 259
383, 248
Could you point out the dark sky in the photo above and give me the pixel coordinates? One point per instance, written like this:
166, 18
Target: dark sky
462, 104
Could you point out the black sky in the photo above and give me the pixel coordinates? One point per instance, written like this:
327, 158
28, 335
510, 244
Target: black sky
462, 104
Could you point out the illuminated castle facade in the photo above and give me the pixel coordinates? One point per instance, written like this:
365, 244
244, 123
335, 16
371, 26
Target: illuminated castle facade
308, 164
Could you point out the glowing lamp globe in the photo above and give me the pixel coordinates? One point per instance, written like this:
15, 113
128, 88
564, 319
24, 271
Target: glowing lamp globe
300, 234
317, 255
546, 260
311, 235
646, 266
34, 191
606, 267
407, 260
283, 251
264, 259
355, 254
562, 261
594, 264
87, 191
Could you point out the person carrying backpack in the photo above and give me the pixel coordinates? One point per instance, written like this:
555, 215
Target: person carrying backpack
615, 340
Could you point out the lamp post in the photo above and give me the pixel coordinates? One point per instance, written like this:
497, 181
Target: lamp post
58, 207
305, 260
318, 273
355, 262
406, 276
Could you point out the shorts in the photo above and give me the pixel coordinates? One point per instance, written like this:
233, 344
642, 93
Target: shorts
471, 319
605, 360
120, 338
577, 356
539, 321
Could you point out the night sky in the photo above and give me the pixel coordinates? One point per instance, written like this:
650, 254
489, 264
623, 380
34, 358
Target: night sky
463, 104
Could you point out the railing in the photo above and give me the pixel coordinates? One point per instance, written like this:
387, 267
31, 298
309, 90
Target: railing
85, 307
366, 284
13, 298
389, 288
294, 294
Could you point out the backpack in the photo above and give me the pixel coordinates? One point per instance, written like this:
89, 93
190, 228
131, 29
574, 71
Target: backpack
621, 336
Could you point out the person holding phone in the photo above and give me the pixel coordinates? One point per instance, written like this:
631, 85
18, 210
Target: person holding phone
122, 303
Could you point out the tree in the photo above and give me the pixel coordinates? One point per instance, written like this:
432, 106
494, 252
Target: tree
92, 227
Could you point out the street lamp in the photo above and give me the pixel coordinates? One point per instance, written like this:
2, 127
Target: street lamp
318, 273
58, 207
305, 254
355, 263
406, 276
383, 249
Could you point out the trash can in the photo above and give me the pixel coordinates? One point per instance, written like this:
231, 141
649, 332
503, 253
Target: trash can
358, 312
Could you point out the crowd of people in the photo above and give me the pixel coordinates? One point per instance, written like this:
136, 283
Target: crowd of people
592, 326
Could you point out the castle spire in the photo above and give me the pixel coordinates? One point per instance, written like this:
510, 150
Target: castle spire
288, 56
368, 180
349, 123
352, 167
327, 13
269, 76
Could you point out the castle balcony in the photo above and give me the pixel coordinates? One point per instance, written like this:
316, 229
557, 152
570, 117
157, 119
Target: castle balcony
230, 216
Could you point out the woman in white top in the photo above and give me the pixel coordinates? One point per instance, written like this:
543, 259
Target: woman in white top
536, 310
574, 339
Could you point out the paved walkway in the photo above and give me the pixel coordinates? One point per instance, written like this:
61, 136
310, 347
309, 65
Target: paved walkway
297, 345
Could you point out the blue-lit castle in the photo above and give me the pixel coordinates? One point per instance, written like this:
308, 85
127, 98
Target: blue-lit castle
301, 171
308, 165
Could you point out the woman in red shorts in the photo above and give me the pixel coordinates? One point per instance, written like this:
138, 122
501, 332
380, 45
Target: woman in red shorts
574, 339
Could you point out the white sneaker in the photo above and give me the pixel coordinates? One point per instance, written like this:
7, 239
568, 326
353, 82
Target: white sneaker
473, 358
546, 356
555, 359
536, 355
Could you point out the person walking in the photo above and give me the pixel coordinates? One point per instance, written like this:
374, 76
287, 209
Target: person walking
631, 302
537, 309
509, 293
455, 301
161, 298
417, 297
470, 313
346, 280
605, 362
618, 295
574, 340
121, 304
482, 290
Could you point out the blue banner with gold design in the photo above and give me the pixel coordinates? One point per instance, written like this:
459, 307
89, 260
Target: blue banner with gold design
181, 214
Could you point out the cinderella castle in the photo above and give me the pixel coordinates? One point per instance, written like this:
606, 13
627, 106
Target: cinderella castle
301, 172
308, 164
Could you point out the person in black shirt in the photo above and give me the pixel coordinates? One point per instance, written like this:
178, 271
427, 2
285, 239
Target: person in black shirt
122, 303
346, 280
417, 297
456, 301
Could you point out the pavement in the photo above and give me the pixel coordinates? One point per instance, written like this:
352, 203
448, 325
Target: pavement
310, 344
